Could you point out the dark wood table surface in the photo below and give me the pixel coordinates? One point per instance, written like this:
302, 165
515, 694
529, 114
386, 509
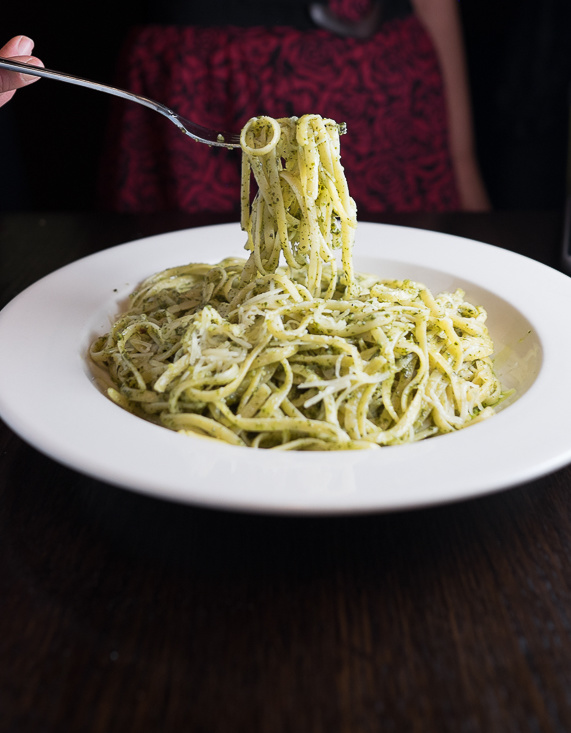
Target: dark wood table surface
120, 612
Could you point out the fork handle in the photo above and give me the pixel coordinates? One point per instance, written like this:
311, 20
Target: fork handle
12, 65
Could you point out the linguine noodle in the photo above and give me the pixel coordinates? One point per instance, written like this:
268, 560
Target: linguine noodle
290, 349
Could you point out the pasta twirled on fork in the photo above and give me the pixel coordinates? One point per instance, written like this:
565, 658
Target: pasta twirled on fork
290, 349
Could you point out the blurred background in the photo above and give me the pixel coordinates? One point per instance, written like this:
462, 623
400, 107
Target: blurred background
519, 57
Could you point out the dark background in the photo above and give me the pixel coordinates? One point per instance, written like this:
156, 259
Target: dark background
519, 55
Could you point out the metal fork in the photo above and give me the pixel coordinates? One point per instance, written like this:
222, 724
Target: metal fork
196, 132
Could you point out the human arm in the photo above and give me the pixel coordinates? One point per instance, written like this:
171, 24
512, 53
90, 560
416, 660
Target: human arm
18, 48
441, 19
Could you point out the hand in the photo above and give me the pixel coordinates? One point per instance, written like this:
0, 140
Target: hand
18, 48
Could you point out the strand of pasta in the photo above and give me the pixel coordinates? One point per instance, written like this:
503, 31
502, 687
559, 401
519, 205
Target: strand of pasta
304, 356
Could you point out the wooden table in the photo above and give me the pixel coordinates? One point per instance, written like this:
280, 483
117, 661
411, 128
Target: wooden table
123, 613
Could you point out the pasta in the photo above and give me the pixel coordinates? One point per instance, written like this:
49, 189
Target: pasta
289, 349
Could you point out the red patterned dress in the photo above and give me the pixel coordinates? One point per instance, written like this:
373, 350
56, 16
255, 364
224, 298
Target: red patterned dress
387, 88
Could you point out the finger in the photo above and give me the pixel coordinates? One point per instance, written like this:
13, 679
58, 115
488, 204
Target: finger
11, 80
6, 97
17, 46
